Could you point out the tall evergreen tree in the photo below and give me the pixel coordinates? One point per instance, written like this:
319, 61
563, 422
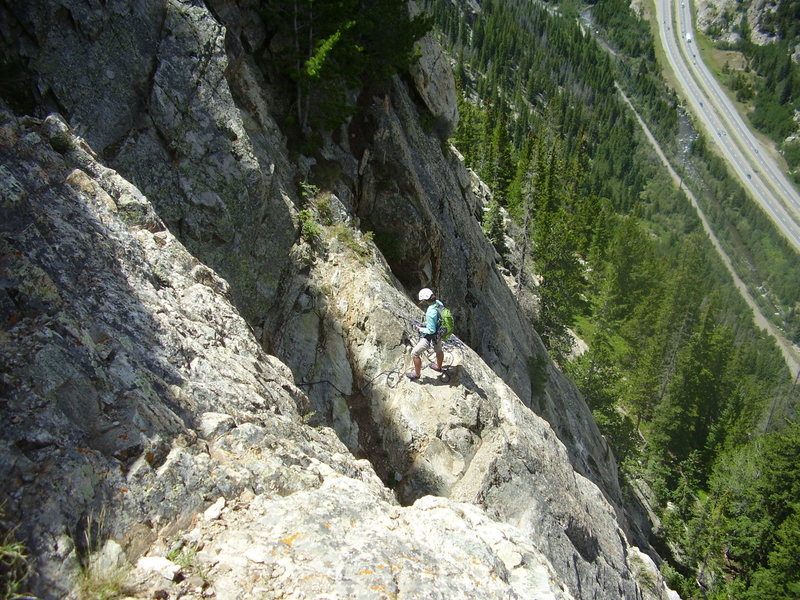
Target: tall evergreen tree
500, 170
560, 290
696, 397
335, 45
630, 273
495, 229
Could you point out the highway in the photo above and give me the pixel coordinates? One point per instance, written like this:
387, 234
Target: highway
758, 173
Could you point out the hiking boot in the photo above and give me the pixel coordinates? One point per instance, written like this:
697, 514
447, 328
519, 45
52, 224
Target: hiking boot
412, 375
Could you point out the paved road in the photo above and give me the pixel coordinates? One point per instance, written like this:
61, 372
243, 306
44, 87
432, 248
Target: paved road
747, 158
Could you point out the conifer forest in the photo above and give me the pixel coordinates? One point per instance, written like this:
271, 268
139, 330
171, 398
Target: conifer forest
696, 400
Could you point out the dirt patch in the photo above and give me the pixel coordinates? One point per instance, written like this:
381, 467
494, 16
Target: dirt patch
719, 58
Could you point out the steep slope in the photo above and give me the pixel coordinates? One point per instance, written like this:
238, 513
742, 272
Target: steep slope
198, 137
185, 406
135, 396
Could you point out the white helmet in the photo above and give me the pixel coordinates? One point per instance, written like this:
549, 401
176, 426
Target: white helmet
425, 294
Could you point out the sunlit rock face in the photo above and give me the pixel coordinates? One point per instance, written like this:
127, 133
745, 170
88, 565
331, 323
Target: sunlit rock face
189, 378
723, 20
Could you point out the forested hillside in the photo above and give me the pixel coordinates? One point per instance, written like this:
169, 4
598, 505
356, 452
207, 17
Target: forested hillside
763, 258
690, 393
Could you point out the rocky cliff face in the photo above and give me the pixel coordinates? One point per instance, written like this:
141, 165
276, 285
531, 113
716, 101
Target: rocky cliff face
723, 20
186, 375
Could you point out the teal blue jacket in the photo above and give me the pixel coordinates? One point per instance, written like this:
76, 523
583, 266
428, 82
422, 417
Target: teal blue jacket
432, 318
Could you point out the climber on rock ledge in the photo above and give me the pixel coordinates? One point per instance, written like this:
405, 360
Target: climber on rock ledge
429, 332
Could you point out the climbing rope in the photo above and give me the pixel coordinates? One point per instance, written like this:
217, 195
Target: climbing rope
393, 378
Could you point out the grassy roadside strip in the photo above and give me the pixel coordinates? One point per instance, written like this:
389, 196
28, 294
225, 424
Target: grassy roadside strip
649, 14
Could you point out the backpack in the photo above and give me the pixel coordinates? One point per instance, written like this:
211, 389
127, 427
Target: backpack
447, 324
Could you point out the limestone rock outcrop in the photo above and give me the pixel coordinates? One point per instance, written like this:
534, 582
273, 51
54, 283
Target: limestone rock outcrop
206, 149
136, 397
720, 16
724, 19
434, 82
189, 380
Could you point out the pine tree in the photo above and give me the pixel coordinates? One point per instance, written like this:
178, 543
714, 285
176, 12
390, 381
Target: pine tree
501, 167
521, 185
560, 290
630, 273
526, 186
752, 509
697, 395
781, 579
338, 45
495, 229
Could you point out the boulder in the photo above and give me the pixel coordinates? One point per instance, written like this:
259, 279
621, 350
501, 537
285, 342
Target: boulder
434, 82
